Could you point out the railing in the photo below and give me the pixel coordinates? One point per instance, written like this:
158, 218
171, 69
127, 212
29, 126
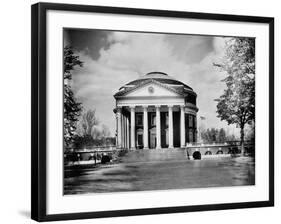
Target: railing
214, 144
107, 148
92, 155
220, 149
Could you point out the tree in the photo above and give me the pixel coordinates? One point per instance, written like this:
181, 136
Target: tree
90, 132
214, 134
237, 104
72, 108
205, 136
89, 120
221, 136
105, 131
250, 133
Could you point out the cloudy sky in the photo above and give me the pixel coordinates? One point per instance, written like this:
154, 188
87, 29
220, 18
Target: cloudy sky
112, 59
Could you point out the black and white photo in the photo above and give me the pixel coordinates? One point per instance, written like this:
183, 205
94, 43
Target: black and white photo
157, 111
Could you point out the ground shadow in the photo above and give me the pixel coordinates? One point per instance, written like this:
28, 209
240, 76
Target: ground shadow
24, 213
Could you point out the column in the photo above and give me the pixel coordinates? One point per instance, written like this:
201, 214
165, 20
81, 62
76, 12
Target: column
197, 136
133, 128
122, 131
119, 129
171, 129
128, 133
145, 128
182, 127
125, 131
158, 128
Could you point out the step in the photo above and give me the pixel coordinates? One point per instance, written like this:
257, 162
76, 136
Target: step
155, 155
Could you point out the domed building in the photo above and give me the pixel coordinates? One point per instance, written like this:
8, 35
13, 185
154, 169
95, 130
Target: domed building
155, 111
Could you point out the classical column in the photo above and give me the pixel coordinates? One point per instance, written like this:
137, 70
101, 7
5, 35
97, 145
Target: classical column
182, 128
171, 129
125, 131
122, 130
197, 136
133, 128
119, 129
158, 128
145, 128
128, 132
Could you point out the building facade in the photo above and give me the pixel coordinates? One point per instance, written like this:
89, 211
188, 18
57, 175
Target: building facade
155, 111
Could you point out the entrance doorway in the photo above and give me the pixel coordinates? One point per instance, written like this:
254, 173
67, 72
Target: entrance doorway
139, 139
152, 138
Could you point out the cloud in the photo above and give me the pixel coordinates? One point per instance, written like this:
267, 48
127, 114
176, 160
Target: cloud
127, 55
191, 49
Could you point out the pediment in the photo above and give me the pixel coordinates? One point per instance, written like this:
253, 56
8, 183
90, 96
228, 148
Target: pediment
152, 89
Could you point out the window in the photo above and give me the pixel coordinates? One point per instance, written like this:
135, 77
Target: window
191, 135
139, 119
190, 121
166, 119
153, 119
167, 136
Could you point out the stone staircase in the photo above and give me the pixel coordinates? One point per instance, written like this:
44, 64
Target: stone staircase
155, 155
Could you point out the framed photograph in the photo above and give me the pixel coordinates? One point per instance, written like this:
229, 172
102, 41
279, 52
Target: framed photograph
138, 111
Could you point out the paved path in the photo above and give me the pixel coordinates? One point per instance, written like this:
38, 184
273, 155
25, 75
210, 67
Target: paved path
137, 172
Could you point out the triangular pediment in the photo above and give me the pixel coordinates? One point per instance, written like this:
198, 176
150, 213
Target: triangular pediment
151, 89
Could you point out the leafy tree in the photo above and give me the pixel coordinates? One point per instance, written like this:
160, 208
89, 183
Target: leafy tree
206, 136
237, 104
231, 138
250, 133
221, 136
72, 108
213, 135
216, 135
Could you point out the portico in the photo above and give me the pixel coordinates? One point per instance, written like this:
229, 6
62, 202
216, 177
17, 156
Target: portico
155, 111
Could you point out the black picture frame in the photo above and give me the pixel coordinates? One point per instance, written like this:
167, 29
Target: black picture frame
39, 107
